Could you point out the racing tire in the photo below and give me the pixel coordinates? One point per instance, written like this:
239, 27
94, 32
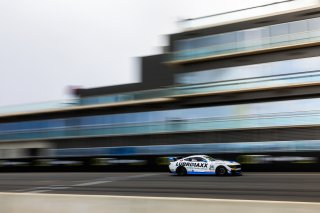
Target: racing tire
221, 171
181, 171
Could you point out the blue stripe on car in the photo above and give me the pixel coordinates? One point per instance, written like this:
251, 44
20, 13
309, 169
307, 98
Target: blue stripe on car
201, 173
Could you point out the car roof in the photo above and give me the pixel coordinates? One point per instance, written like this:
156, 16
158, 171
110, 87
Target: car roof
202, 156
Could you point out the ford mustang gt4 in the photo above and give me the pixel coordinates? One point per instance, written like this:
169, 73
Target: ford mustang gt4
204, 165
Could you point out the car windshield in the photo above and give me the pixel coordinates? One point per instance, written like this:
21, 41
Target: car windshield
210, 158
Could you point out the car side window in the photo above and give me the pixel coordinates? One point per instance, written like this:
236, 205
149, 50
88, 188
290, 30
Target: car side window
195, 159
199, 159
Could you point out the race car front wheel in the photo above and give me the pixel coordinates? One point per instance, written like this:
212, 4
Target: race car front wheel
221, 171
181, 171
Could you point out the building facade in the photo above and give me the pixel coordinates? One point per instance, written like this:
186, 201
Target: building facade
248, 90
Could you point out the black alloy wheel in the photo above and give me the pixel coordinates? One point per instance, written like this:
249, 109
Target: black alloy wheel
221, 171
181, 171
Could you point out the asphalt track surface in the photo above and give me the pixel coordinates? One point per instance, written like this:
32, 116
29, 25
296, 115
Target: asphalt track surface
251, 186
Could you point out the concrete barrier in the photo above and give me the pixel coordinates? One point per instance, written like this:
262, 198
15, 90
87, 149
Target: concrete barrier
56, 203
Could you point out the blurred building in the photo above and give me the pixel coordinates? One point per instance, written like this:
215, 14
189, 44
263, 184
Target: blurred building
246, 87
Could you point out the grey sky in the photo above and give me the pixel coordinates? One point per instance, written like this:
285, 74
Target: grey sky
48, 45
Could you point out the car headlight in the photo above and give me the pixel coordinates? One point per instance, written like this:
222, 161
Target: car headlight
232, 166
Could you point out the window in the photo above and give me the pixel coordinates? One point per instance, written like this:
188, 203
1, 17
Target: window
250, 71
198, 159
279, 29
210, 158
298, 26
228, 37
314, 24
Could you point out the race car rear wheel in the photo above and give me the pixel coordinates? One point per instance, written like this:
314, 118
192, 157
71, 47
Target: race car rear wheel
221, 171
181, 171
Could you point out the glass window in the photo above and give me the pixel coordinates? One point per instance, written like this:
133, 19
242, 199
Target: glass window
202, 42
189, 78
198, 159
297, 66
56, 123
192, 43
279, 29
158, 116
86, 121
3, 127
112, 119
139, 117
194, 160
241, 36
72, 122
298, 26
218, 75
252, 38
107, 119
198, 113
281, 67
310, 64
214, 40
121, 118
181, 45
207, 76
253, 34
228, 38
126, 118
210, 158
223, 112
251, 71
314, 24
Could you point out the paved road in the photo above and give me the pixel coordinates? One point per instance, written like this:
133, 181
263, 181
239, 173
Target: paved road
252, 186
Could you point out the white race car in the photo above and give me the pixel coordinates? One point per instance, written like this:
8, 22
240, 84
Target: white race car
204, 165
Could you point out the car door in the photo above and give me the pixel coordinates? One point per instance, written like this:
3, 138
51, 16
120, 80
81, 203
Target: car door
187, 163
200, 165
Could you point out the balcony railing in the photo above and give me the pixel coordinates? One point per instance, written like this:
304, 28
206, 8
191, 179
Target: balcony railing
259, 83
232, 48
288, 119
251, 12
214, 148
36, 107
63, 104
123, 97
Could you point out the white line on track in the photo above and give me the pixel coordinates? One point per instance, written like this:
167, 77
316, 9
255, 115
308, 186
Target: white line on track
86, 183
92, 183
45, 188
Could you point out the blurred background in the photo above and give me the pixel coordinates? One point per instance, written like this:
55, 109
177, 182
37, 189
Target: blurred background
237, 80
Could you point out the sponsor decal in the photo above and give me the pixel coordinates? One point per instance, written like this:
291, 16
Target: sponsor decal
194, 164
